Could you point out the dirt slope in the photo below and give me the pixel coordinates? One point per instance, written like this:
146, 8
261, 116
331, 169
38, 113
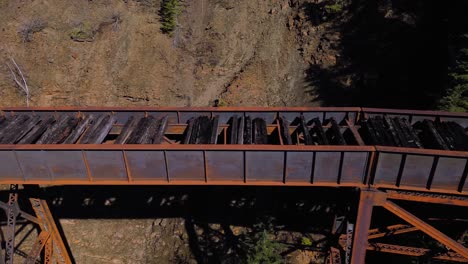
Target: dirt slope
243, 52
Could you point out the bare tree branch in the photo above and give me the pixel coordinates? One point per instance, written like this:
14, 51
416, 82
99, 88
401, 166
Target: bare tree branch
18, 76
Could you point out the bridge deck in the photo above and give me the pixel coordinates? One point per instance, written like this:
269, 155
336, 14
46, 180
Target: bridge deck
400, 149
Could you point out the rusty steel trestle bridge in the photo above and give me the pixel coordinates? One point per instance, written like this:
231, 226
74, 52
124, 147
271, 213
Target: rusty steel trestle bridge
389, 155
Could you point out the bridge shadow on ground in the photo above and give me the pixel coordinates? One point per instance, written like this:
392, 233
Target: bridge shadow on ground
389, 54
209, 213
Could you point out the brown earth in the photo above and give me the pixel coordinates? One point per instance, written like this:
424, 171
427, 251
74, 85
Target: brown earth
245, 53
253, 53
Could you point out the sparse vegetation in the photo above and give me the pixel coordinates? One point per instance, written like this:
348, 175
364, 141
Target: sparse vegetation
27, 29
334, 8
83, 32
305, 241
169, 11
260, 246
116, 21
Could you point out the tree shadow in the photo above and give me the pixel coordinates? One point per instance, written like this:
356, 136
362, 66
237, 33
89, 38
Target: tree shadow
390, 54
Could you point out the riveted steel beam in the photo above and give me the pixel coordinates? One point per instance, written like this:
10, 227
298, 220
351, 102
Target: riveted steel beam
426, 228
416, 252
428, 197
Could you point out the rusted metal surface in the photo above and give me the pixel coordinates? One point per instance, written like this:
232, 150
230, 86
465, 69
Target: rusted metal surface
427, 197
306, 162
42, 211
363, 221
420, 169
416, 252
37, 247
68, 164
48, 252
383, 232
390, 230
46, 223
334, 256
12, 213
281, 147
426, 228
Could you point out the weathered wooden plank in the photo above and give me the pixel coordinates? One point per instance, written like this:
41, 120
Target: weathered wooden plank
214, 129
10, 136
233, 129
305, 131
204, 130
284, 127
139, 130
195, 131
126, 130
392, 131
445, 134
188, 131
2, 120
385, 137
13, 127
404, 138
103, 130
91, 131
318, 129
161, 130
460, 137
32, 136
6, 122
379, 134
248, 131
79, 130
259, 130
25, 129
150, 131
240, 131
64, 131
430, 136
406, 126
51, 133
334, 134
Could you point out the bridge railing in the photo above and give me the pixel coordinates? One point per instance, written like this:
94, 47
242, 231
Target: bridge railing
304, 165
186, 164
420, 169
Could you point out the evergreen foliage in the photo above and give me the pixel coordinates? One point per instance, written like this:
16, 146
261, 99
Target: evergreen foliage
169, 11
456, 96
334, 8
260, 246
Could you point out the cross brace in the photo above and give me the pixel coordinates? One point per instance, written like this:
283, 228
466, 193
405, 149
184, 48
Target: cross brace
371, 197
49, 238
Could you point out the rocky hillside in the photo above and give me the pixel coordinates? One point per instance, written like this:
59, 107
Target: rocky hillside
243, 52
105, 52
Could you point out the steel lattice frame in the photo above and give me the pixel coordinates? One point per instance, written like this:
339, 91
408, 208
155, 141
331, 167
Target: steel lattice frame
11, 223
371, 197
49, 240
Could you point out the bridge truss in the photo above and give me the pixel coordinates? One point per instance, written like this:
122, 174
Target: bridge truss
389, 155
